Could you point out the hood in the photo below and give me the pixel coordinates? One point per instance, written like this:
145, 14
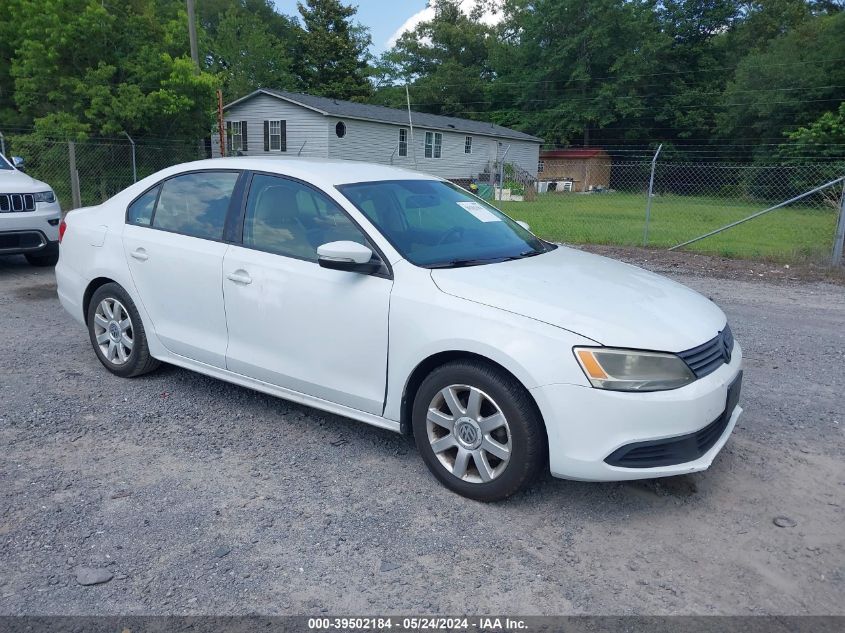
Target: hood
610, 302
14, 181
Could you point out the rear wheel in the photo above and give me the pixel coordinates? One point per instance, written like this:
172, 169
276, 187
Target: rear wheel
478, 430
117, 333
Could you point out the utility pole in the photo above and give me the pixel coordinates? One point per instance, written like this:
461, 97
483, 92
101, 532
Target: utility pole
192, 35
411, 125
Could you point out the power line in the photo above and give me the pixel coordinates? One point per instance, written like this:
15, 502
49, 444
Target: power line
642, 96
660, 74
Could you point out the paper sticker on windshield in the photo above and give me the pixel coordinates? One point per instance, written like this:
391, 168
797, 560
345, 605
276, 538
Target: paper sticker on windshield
479, 211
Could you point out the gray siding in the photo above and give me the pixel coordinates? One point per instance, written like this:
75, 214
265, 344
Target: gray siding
378, 143
370, 141
303, 126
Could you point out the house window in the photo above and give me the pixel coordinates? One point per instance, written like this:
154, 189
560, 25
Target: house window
540, 167
433, 144
275, 136
468, 145
340, 129
236, 134
403, 142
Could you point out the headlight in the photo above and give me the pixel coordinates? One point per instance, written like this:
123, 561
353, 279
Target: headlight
44, 196
628, 370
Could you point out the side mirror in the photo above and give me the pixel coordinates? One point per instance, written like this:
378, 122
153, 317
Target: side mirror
18, 162
349, 256
523, 225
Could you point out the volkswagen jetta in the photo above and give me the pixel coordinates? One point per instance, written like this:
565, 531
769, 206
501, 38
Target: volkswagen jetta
401, 300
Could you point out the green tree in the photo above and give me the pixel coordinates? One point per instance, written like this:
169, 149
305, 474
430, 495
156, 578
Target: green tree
823, 138
333, 58
107, 69
568, 68
447, 60
790, 83
246, 54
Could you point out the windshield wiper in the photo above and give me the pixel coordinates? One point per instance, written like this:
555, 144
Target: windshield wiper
523, 255
461, 263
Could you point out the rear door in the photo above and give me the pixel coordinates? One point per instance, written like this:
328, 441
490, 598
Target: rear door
173, 242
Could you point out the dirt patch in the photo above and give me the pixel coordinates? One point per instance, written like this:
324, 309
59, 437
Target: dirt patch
696, 264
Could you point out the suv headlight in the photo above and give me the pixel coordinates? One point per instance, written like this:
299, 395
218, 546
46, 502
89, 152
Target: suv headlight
629, 370
44, 196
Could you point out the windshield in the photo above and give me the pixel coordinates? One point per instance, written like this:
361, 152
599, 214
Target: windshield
437, 224
4, 164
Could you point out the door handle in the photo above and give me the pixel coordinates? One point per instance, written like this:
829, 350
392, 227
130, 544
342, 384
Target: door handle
240, 277
140, 254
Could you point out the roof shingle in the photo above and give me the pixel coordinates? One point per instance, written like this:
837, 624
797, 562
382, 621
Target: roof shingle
382, 114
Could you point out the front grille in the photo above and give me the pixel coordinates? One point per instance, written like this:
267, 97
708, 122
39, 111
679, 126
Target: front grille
707, 358
16, 202
678, 450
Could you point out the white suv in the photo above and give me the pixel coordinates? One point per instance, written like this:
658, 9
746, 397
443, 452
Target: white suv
29, 216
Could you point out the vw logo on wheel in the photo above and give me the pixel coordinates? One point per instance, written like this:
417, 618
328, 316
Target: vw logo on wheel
467, 433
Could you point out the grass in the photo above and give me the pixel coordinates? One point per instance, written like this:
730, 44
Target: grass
787, 234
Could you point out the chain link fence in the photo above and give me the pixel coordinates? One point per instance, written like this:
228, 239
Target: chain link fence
103, 167
616, 202
590, 201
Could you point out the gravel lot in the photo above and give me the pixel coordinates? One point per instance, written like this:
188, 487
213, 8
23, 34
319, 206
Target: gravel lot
199, 497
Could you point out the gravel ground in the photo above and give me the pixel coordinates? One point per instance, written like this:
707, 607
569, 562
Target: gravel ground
193, 496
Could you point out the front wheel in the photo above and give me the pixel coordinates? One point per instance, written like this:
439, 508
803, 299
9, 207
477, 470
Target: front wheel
117, 333
478, 430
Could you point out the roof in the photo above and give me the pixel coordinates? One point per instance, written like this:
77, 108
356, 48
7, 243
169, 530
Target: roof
574, 154
381, 114
325, 173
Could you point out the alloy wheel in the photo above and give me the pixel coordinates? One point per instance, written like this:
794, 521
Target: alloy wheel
469, 433
113, 331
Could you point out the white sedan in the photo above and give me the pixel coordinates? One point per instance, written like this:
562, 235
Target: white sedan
401, 300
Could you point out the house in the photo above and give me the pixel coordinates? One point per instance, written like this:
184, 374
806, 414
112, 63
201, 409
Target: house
585, 168
270, 122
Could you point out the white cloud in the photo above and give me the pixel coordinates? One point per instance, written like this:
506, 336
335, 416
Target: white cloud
428, 14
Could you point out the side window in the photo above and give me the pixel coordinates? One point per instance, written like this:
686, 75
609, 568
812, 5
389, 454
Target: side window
288, 218
196, 204
141, 211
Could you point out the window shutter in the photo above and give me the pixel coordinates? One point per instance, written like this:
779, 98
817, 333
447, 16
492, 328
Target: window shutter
243, 136
284, 131
266, 136
228, 146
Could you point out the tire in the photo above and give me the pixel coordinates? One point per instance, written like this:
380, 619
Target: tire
50, 259
485, 396
110, 336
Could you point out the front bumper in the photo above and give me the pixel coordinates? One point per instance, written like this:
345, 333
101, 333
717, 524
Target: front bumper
30, 231
586, 426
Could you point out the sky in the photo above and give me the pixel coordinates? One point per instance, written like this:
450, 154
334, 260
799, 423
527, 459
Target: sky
386, 19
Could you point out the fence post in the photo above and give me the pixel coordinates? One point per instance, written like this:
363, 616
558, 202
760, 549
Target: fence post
2, 144
74, 175
836, 258
134, 170
502, 173
650, 193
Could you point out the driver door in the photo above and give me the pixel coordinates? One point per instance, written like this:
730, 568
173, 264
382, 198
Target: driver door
292, 323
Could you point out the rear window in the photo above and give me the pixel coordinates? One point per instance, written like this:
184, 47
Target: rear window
192, 204
141, 211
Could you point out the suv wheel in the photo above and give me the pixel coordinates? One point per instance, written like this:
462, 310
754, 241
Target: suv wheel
51, 259
478, 430
117, 333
